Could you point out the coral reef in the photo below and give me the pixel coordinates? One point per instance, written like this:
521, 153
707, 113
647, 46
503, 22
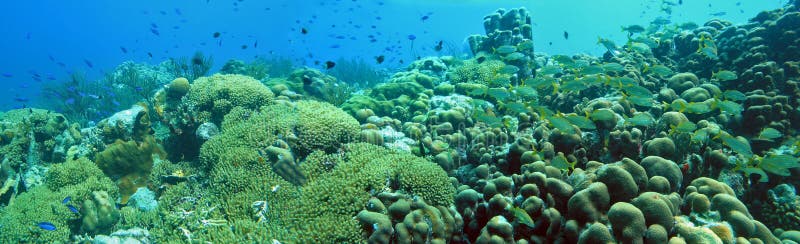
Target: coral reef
681, 135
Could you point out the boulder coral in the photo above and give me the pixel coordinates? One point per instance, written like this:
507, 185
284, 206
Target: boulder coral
213, 97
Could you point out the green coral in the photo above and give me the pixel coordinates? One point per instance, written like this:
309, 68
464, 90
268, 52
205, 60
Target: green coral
344, 181
218, 94
487, 73
79, 178
307, 126
321, 126
20, 218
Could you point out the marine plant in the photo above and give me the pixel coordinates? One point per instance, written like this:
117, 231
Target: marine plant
191, 68
357, 73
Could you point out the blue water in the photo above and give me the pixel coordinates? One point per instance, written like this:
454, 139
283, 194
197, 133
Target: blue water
47, 40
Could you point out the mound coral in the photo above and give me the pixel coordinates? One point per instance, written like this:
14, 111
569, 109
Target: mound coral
216, 95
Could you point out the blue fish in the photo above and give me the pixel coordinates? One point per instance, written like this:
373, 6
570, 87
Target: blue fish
412, 37
155, 32
47, 226
66, 200
8, 75
72, 208
88, 63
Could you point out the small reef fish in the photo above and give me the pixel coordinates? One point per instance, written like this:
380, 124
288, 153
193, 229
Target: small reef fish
608, 44
633, 29
47, 226
88, 63
379, 59
660, 21
72, 208
329, 64
438, 47
216, 34
724, 75
566, 35
718, 14
66, 200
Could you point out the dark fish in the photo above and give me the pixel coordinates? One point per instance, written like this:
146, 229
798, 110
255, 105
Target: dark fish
304, 31
72, 208
255, 44
52, 59
155, 32
438, 47
401, 61
46, 226
244, 47
163, 12
329, 64
123, 49
335, 46
718, 14
62, 64
316, 62
412, 37
340, 37
379, 59
66, 200
680, 1
216, 34
566, 35
306, 81
149, 54
178, 11
153, 25
88, 63
424, 18
481, 59
8, 75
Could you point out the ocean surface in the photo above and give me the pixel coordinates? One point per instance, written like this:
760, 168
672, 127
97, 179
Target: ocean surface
386, 121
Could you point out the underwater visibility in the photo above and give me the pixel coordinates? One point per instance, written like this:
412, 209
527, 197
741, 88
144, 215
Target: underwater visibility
388, 121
